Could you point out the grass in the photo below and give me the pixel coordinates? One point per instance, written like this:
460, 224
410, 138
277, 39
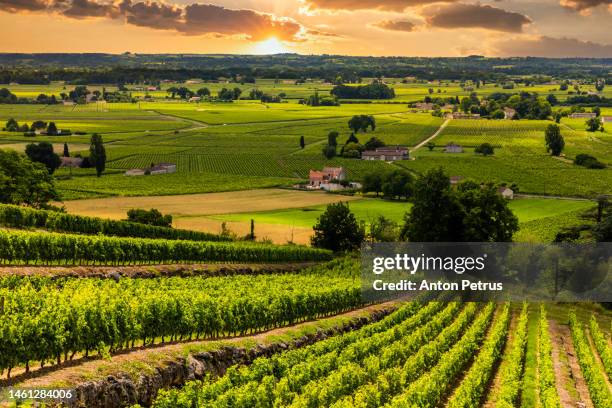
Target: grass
259, 143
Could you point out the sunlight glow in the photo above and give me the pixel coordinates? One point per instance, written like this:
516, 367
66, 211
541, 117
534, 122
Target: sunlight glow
270, 46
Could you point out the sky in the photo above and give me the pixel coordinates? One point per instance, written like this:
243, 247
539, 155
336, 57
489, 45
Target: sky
550, 28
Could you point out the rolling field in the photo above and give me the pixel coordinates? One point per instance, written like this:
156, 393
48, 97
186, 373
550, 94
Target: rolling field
286, 215
520, 157
248, 144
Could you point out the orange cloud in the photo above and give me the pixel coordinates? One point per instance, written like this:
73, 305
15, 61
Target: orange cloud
193, 19
585, 6
390, 5
552, 47
462, 15
395, 25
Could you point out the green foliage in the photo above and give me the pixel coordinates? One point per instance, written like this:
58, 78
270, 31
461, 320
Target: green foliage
469, 214
50, 319
601, 344
603, 230
149, 217
24, 182
593, 124
383, 229
512, 368
97, 153
595, 379
436, 215
431, 387
229, 94
485, 149
325, 372
397, 184
362, 123
588, 161
374, 143
43, 153
474, 385
21, 217
337, 229
554, 140
547, 385
375, 90
18, 247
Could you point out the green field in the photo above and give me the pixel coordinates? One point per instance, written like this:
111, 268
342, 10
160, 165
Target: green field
530, 212
248, 144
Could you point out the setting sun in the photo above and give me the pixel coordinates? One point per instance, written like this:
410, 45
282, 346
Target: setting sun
270, 46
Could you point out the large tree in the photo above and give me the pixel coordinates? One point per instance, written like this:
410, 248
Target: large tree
337, 229
372, 182
361, 123
43, 153
472, 213
97, 154
436, 215
554, 140
24, 182
487, 217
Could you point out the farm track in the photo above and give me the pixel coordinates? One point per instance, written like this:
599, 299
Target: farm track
571, 386
80, 370
430, 138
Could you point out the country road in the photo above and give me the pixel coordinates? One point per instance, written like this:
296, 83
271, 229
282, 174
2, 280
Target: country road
430, 138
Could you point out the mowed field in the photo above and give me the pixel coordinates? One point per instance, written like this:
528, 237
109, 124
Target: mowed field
287, 215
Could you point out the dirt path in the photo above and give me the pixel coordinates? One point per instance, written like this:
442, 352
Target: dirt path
497, 378
571, 386
149, 358
195, 124
430, 138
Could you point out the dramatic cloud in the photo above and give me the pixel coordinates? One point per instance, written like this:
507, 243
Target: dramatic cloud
14, 6
193, 19
153, 15
585, 6
391, 5
88, 8
206, 18
552, 47
475, 16
395, 25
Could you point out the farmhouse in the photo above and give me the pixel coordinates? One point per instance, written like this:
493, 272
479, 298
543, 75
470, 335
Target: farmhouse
318, 179
195, 99
461, 115
161, 168
509, 113
387, 153
506, 192
606, 119
582, 115
452, 147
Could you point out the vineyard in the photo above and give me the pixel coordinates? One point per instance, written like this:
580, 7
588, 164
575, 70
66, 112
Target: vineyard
423, 355
42, 248
21, 217
52, 320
